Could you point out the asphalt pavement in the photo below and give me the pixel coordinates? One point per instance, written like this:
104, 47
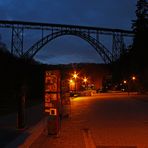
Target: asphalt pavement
100, 121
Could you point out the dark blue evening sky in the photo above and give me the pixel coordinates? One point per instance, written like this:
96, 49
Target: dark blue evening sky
97, 13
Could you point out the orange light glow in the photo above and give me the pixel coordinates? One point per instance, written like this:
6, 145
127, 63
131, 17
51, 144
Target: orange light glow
133, 78
124, 81
85, 79
71, 81
75, 75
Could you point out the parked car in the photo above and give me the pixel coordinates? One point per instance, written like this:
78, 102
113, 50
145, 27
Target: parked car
102, 90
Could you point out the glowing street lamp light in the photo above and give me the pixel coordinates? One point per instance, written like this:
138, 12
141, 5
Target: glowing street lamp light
70, 81
133, 78
85, 79
124, 81
75, 76
71, 84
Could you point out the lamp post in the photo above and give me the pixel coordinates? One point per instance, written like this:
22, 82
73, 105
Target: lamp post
75, 76
133, 78
126, 84
85, 81
129, 84
124, 81
134, 83
71, 85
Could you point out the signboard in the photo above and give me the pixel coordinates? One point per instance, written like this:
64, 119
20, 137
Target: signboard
52, 100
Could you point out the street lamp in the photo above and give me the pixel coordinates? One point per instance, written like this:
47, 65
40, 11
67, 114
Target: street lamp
75, 76
133, 78
71, 84
85, 81
134, 83
124, 81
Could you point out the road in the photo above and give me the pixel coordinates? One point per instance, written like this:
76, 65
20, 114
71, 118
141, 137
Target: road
102, 121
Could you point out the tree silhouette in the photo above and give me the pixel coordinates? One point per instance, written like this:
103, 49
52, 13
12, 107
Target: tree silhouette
135, 59
139, 52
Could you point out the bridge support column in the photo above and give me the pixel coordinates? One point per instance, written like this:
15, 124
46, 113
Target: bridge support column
117, 45
17, 41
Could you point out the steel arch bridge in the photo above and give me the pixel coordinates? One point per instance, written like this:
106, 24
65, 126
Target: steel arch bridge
89, 34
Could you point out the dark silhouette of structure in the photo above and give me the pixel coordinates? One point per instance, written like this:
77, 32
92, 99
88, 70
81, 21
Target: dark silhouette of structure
89, 34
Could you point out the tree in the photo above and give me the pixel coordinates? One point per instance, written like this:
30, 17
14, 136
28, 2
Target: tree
140, 45
139, 50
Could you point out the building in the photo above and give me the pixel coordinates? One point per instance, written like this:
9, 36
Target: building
85, 76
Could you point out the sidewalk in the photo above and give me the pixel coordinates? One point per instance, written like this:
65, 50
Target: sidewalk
73, 134
25, 139
9, 134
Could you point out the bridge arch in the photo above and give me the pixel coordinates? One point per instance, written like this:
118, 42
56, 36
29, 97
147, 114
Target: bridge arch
104, 53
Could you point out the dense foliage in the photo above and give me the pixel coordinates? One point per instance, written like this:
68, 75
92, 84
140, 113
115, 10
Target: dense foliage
14, 74
139, 51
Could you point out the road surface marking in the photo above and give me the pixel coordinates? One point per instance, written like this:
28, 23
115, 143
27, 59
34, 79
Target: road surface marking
89, 142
